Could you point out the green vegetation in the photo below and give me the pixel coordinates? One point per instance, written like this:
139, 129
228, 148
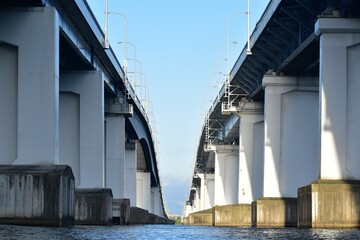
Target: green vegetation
178, 220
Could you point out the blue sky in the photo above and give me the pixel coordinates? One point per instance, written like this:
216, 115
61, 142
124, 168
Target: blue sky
181, 46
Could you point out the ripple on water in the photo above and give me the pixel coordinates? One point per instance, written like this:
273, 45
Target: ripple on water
154, 232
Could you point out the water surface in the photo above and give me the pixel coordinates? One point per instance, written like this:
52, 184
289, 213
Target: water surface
153, 232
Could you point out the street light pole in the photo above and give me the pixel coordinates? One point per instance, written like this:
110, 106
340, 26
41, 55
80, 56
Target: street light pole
228, 41
126, 34
248, 44
106, 42
141, 74
127, 42
248, 51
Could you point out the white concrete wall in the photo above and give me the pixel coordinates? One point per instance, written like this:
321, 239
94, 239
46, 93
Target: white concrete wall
36, 35
8, 103
258, 164
115, 155
130, 174
339, 105
156, 201
299, 149
291, 150
89, 85
202, 191
206, 190
226, 174
143, 194
209, 191
251, 153
69, 142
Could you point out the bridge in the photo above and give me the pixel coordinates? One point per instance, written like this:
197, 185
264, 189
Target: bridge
75, 141
280, 144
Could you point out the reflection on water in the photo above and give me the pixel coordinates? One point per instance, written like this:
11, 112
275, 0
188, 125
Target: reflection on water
170, 232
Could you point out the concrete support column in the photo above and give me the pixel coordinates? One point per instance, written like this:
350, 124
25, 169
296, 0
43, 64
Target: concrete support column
226, 174
333, 200
206, 190
115, 155
339, 111
130, 172
89, 86
155, 201
251, 154
70, 132
290, 147
290, 153
197, 200
143, 194
29, 95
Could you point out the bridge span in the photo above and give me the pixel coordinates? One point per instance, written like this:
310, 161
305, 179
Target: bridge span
280, 145
75, 141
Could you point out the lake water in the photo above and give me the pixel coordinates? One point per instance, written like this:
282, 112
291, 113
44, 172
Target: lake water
153, 232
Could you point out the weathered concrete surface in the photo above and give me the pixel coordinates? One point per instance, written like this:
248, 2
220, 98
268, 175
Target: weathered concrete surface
138, 215
232, 215
121, 211
36, 195
93, 206
329, 204
204, 218
274, 212
155, 219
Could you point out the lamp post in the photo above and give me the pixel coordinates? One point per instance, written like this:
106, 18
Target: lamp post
248, 28
126, 32
228, 42
143, 100
126, 71
248, 51
106, 28
141, 74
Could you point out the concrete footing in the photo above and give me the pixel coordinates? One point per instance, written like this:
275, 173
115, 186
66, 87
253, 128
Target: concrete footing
142, 216
138, 215
154, 219
201, 218
36, 195
121, 211
274, 212
93, 206
329, 204
232, 215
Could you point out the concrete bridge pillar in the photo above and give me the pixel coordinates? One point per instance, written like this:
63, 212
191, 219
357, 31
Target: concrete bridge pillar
206, 190
115, 163
334, 199
29, 87
115, 155
130, 172
290, 147
226, 174
143, 192
155, 201
87, 89
82, 143
251, 154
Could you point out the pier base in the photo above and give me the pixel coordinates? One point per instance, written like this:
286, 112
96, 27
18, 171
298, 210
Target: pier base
155, 219
121, 211
274, 212
232, 215
329, 204
36, 195
93, 206
201, 218
138, 215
